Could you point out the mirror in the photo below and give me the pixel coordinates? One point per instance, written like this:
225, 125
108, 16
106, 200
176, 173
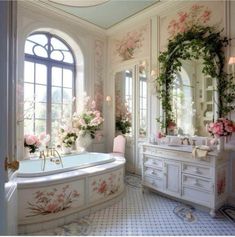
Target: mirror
193, 98
142, 100
123, 102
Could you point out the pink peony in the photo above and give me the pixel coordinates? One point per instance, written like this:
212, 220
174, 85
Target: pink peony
30, 140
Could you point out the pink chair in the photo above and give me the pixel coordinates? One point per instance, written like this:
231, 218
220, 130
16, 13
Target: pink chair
119, 144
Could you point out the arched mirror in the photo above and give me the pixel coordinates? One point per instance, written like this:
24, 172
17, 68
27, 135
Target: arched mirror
193, 99
193, 87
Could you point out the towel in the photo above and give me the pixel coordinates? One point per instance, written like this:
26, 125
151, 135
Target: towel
200, 151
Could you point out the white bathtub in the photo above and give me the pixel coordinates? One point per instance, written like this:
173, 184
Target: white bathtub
33, 168
55, 197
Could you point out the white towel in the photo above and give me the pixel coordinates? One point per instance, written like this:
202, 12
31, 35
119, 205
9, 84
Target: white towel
200, 151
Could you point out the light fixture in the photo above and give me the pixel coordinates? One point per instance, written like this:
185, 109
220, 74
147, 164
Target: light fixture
79, 3
153, 73
231, 60
108, 98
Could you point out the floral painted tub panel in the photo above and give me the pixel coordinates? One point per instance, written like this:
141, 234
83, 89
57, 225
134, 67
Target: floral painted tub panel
46, 201
105, 186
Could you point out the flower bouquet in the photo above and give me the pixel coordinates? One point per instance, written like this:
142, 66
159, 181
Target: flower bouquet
33, 142
223, 127
66, 136
87, 124
123, 117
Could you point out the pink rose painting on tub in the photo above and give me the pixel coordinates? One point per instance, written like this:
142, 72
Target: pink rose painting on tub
53, 201
109, 186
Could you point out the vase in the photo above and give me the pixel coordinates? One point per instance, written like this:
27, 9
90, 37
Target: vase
26, 153
66, 150
83, 142
220, 145
29, 155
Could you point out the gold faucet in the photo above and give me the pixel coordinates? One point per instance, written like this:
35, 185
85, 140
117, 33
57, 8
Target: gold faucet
185, 138
54, 157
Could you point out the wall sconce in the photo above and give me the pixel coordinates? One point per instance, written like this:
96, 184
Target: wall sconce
231, 62
153, 73
108, 99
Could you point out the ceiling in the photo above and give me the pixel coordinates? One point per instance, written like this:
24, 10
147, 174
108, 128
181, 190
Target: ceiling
106, 14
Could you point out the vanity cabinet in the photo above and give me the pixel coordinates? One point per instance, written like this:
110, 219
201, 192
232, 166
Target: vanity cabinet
177, 173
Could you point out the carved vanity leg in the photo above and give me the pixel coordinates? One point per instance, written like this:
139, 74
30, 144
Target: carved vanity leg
212, 213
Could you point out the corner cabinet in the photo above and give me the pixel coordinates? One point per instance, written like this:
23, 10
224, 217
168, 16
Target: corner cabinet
177, 173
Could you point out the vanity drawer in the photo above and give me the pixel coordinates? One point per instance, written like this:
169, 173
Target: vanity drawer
156, 183
197, 182
197, 196
153, 162
197, 170
154, 173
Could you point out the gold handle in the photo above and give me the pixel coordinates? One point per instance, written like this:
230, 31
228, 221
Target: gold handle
14, 165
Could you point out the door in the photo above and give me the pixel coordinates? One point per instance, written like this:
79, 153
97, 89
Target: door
7, 69
172, 177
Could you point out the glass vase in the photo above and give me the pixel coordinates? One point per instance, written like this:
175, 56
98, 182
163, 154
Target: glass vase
83, 142
220, 145
66, 150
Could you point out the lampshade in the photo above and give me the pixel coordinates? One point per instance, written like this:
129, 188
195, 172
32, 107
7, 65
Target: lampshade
79, 3
231, 60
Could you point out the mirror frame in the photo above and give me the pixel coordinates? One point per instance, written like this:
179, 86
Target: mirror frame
198, 41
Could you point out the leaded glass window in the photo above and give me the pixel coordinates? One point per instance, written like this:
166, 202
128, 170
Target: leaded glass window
49, 83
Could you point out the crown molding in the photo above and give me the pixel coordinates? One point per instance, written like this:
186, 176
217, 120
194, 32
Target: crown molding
43, 7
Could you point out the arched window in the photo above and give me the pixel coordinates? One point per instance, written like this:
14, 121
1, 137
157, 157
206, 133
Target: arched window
49, 83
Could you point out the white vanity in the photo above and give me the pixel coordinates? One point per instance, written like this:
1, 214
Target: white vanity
173, 170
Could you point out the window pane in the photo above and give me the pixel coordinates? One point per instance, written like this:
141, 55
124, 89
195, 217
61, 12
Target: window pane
56, 76
28, 71
39, 39
57, 44
28, 48
67, 95
68, 58
28, 110
41, 93
40, 110
28, 92
56, 96
67, 78
41, 74
67, 110
40, 51
40, 126
28, 126
56, 111
57, 55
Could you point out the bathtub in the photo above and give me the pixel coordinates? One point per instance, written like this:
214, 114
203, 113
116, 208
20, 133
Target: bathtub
86, 183
33, 168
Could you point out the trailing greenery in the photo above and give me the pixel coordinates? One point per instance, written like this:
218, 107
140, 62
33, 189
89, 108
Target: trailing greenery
198, 42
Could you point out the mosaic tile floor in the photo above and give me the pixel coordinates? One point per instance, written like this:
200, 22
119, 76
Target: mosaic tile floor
144, 214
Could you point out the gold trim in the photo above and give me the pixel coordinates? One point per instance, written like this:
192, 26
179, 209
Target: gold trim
14, 165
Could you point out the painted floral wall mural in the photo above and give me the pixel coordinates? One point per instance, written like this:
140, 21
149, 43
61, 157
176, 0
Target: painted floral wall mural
130, 42
99, 71
197, 15
56, 200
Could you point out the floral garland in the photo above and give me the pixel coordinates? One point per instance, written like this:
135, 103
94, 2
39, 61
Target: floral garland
191, 42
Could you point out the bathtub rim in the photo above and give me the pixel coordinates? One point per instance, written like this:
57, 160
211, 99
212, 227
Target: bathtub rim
59, 178
62, 170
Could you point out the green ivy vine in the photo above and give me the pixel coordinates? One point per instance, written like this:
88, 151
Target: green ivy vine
198, 42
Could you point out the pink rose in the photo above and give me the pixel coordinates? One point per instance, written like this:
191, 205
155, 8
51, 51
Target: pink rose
30, 140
